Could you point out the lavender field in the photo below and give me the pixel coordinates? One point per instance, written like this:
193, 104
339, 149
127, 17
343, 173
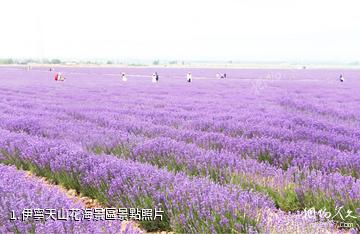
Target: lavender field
252, 153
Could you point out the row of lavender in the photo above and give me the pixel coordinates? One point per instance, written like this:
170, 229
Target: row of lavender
176, 111
131, 100
222, 167
284, 147
191, 205
275, 146
24, 207
338, 137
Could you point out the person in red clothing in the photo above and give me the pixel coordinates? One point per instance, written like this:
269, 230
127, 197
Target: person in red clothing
59, 77
56, 77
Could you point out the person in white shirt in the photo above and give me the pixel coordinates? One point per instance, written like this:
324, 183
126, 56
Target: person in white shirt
123, 76
61, 77
153, 78
189, 77
217, 75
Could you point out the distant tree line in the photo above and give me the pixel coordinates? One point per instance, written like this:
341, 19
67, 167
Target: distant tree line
7, 61
27, 61
95, 62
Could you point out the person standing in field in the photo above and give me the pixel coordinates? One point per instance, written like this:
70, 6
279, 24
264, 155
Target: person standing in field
153, 78
157, 77
123, 76
217, 75
341, 78
224, 76
189, 77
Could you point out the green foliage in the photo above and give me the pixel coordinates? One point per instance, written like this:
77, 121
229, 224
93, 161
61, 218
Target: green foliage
137, 65
265, 157
55, 61
285, 199
6, 61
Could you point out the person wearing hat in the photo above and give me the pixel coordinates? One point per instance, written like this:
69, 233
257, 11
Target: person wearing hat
123, 76
341, 78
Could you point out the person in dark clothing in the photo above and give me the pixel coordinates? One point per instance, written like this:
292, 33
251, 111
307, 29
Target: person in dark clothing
341, 78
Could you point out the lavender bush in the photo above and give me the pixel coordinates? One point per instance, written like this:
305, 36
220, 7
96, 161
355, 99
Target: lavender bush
19, 192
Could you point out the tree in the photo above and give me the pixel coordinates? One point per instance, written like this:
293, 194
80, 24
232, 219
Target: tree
6, 61
156, 62
55, 61
45, 61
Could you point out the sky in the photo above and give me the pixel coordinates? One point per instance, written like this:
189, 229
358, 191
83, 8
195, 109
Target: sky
217, 30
